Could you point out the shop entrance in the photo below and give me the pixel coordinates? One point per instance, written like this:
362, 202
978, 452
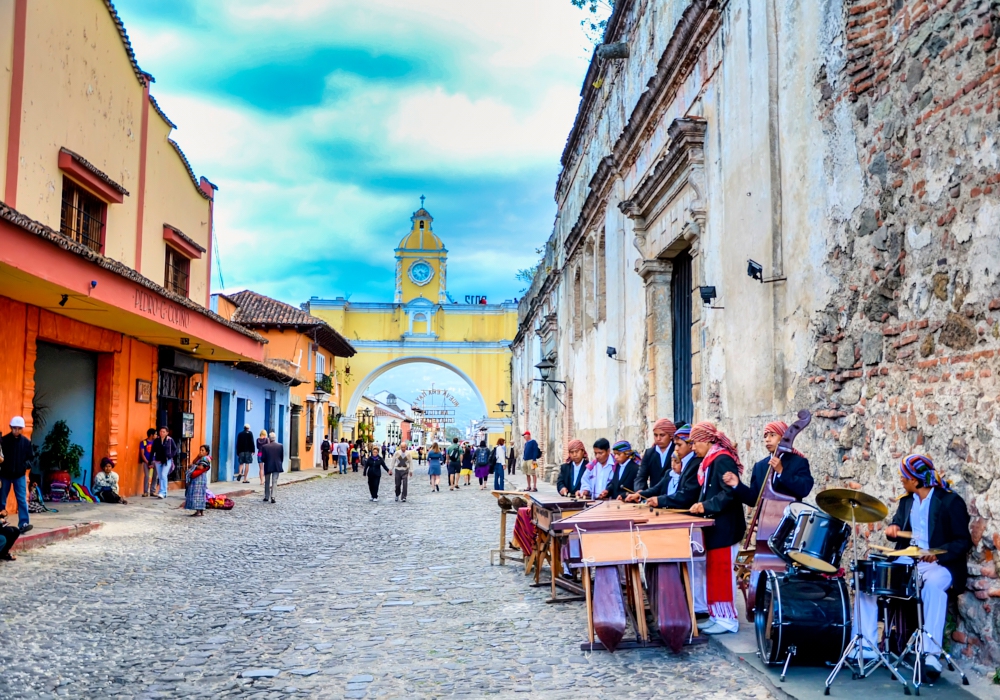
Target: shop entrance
65, 390
173, 409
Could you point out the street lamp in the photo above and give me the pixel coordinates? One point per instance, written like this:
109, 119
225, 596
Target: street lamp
545, 368
502, 406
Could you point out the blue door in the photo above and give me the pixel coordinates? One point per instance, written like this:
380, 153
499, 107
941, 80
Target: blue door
241, 419
281, 424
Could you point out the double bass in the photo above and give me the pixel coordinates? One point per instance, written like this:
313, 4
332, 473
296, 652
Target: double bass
755, 556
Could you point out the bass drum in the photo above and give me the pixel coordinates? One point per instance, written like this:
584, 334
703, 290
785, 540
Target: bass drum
804, 612
779, 539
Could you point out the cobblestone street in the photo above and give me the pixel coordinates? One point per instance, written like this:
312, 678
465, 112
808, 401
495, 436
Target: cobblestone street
324, 595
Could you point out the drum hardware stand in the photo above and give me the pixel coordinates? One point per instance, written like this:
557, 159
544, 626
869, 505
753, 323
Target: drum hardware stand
792, 651
916, 643
857, 645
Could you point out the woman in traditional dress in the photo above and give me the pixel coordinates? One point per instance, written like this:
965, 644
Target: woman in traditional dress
434, 458
197, 478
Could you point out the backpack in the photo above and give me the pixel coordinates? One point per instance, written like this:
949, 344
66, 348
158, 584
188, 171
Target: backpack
482, 457
455, 454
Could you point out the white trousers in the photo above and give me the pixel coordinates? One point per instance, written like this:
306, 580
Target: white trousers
936, 581
696, 574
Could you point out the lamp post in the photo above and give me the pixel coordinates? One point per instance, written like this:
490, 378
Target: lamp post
545, 368
503, 406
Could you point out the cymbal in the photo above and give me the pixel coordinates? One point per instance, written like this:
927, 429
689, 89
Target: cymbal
915, 552
840, 503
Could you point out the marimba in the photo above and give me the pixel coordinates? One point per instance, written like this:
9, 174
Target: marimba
548, 509
613, 534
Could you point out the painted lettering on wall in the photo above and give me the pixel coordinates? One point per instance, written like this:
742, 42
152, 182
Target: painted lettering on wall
155, 307
475, 299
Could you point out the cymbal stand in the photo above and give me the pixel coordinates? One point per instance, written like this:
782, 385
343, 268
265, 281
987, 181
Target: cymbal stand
858, 644
917, 645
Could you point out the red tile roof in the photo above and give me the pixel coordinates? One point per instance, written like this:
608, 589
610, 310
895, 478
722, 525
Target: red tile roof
259, 311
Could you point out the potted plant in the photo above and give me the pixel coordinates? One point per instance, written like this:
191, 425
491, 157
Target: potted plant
60, 458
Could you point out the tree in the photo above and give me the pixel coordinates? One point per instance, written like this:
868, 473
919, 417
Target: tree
596, 22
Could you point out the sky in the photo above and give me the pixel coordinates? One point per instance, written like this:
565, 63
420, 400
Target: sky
323, 121
408, 381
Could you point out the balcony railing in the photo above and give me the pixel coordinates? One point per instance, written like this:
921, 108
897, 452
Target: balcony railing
324, 382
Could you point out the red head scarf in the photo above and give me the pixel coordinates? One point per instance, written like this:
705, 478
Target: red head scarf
778, 428
665, 425
721, 444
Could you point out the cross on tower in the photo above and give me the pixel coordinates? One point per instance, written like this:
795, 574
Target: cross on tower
422, 198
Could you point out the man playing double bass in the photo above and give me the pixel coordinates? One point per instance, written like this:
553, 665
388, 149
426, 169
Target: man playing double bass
791, 471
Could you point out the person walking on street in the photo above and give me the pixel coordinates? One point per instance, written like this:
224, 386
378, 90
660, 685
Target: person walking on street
262, 442
355, 456
197, 481
324, 451
146, 462
454, 464
274, 458
402, 464
481, 459
532, 454
499, 461
467, 464
245, 447
165, 451
373, 466
17, 456
511, 461
434, 459
342, 455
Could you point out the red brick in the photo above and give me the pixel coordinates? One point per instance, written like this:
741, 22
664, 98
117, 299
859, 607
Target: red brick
906, 340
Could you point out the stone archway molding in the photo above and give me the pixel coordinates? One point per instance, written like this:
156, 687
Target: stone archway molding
352, 406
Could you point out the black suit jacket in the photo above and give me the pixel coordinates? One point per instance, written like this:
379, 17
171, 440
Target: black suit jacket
687, 491
722, 505
948, 528
651, 470
565, 480
274, 456
796, 480
623, 477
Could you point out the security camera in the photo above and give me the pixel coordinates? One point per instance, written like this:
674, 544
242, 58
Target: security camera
755, 270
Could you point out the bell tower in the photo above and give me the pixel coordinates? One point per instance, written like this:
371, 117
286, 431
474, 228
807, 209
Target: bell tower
421, 261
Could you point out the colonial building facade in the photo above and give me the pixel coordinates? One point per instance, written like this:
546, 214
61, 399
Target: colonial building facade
769, 206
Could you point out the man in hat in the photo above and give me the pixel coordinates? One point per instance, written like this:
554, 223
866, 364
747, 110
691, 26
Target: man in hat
656, 459
532, 453
17, 456
791, 470
571, 474
936, 518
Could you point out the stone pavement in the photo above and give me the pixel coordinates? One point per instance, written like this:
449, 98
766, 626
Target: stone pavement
322, 595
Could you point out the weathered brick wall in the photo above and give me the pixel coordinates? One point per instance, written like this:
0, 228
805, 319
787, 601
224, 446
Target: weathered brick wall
908, 350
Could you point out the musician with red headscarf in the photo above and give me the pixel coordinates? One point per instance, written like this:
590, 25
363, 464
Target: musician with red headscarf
718, 501
571, 474
656, 459
791, 470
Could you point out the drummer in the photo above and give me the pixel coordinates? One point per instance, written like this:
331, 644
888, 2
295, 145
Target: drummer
938, 519
791, 471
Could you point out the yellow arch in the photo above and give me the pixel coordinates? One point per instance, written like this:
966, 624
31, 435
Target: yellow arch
359, 390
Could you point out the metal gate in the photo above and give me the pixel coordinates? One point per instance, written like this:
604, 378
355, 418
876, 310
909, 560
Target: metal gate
680, 295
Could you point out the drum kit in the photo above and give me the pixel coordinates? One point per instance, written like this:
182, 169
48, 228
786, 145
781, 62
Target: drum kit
804, 611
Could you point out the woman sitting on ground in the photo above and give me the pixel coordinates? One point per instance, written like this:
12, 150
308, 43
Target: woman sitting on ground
197, 476
106, 483
8, 536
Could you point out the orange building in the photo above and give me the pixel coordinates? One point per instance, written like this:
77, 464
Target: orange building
105, 244
306, 347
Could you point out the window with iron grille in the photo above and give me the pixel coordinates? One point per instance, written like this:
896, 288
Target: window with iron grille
82, 217
177, 271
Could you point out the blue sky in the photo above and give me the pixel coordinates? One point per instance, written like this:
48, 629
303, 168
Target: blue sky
323, 121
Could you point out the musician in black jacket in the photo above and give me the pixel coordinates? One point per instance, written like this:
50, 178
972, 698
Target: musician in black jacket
678, 488
623, 476
656, 460
937, 519
791, 471
571, 474
718, 501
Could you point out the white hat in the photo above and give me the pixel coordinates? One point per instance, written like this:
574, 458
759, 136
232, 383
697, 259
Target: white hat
17, 422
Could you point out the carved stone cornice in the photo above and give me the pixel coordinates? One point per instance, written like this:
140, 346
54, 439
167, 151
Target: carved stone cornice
594, 206
655, 270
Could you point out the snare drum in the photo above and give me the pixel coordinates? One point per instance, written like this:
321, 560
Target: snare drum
818, 541
778, 541
887, 578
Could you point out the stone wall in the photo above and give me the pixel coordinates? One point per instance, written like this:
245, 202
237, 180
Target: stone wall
908, 347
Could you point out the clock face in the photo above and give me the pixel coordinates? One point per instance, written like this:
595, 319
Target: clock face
421, 272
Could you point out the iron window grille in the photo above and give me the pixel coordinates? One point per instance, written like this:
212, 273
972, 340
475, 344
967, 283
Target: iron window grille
82, 216
177, 272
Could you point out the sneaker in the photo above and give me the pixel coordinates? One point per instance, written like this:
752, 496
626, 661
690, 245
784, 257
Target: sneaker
397, 499
404, 500
272, 500
710, 628
145, 495
265, 499
932, 666
28, 526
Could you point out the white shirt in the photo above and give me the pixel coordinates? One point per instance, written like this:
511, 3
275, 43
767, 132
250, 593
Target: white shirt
501, 453
663, 455
920, 514
675, 477
342, 449
577, 466
597, 479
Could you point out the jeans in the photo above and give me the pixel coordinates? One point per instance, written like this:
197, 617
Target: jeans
270, 485
20, 493
162, 472
342, 462
326, 460
402, 480
148, 478
498, 477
